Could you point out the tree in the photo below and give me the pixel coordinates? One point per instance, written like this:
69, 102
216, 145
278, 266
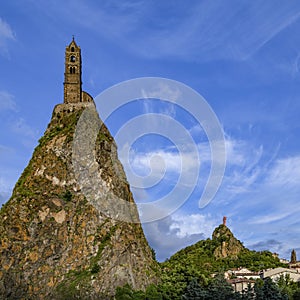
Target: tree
194, 291
293, 257
153, 253
124, 293
296, 295
248, 294
220, 289
287, 285
152, 293
258, 289
127, 293
269, 290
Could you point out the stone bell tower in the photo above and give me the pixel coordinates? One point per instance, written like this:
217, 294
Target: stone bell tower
72, 83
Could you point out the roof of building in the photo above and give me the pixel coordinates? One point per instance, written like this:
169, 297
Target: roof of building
240, 280
276, 271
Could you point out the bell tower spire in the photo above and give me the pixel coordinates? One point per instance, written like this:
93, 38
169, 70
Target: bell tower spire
72, 83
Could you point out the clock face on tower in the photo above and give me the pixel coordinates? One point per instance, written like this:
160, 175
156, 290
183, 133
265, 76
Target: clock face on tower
72, 58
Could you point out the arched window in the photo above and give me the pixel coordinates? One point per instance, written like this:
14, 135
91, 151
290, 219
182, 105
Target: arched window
72, 49
72, 70
72, 58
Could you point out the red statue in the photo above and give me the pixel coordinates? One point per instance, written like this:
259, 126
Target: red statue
224, 220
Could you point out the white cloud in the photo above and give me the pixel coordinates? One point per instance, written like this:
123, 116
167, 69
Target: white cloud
244, 165
271, 186
271, 245
186, 225
285, 172
111, 20
7, 102
197, 130
238, 154
199, 32
268, 218
6, 35
172, 161
270, 208
27, 133
193, 32
175, 232
146, 169
163, 92
16, 124
241, 152
276, 196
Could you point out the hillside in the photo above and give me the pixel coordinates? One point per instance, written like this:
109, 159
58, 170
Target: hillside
206, 257
56, 243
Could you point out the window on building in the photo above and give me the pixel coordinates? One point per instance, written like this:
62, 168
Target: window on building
72, 49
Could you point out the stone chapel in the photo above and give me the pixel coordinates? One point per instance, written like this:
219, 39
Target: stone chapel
73, 84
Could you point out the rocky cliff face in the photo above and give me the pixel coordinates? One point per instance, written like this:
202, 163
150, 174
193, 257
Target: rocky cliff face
60, 239
228, 245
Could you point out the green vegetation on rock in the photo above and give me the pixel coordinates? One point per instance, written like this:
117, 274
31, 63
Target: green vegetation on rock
201, 260
188, 273
54, 243
65, 124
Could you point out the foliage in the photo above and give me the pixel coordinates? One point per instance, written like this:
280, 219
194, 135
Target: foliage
69, 287
269, 290
194, 291
153, 253
293, 257
220, 289
95, 268
289, 287
124, 293
105, 240
296, 295
64, 126
27, 171
67, 196
198, 261
187, 275
153, 293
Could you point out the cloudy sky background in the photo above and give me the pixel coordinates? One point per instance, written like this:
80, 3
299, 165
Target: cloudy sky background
243, 57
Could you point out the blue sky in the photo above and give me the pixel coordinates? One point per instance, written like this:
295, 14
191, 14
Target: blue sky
243, 57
